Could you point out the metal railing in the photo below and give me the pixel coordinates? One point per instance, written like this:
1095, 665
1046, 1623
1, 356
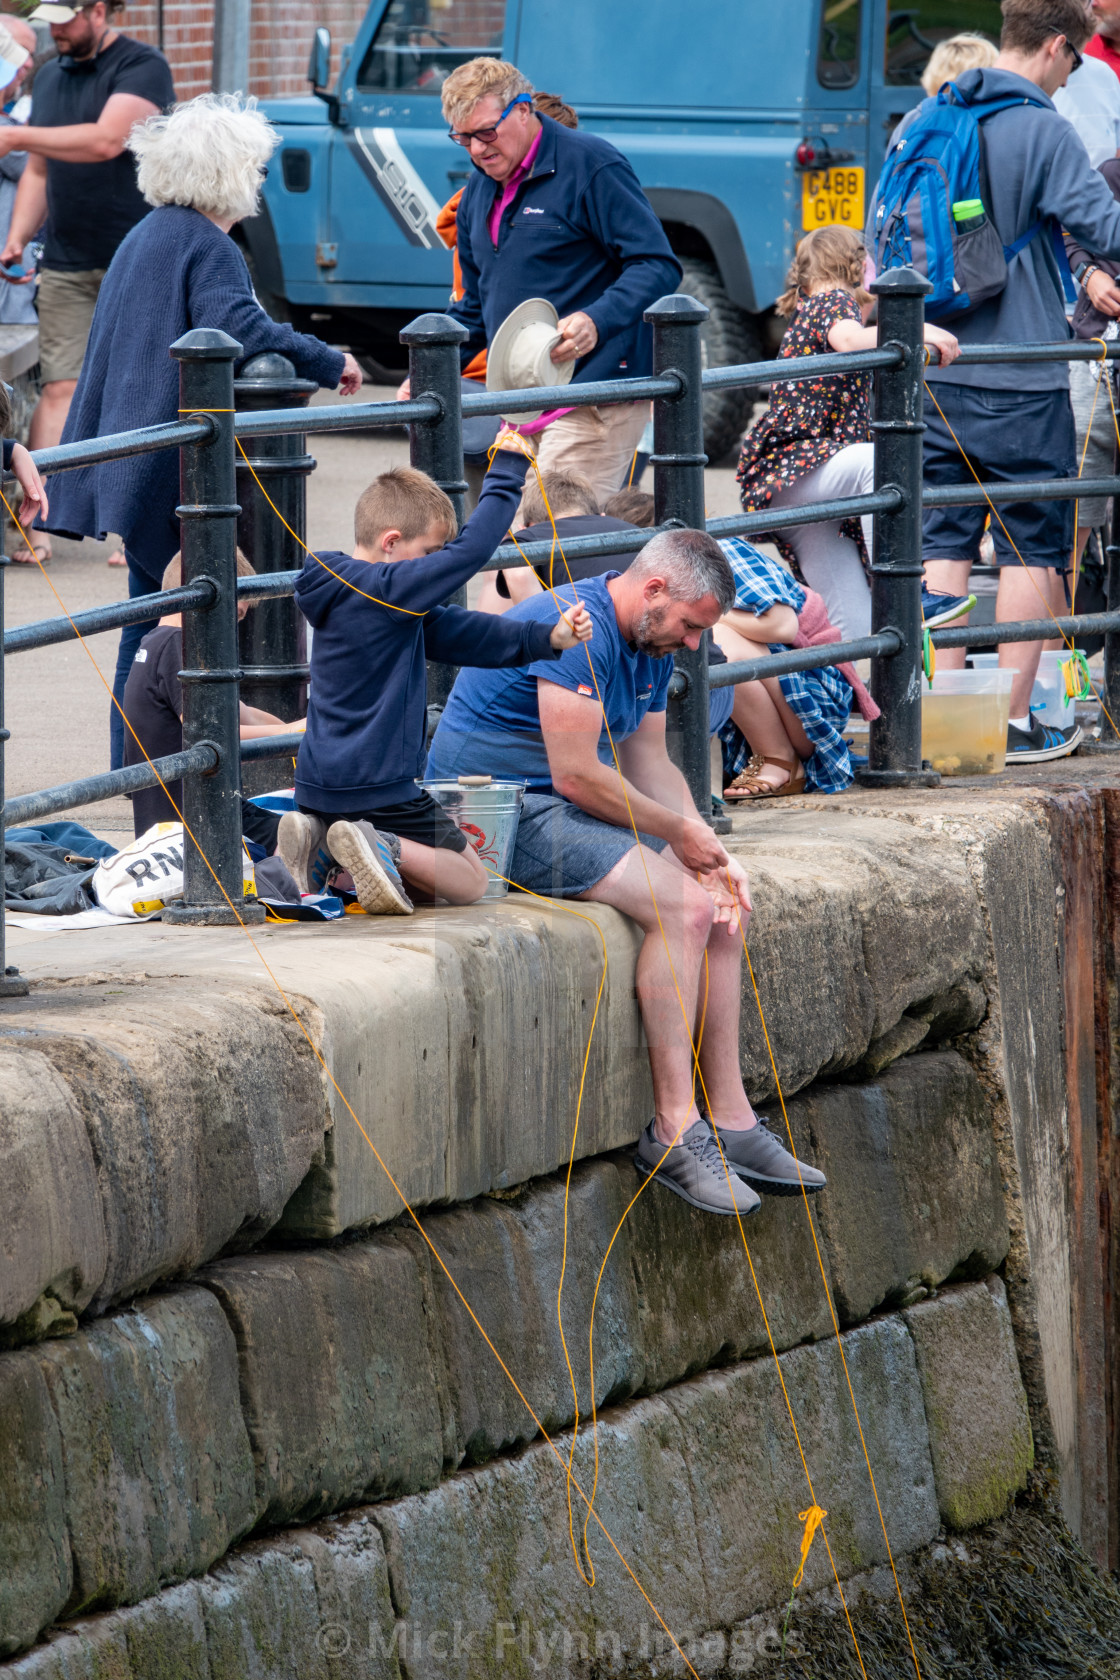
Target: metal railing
221, 502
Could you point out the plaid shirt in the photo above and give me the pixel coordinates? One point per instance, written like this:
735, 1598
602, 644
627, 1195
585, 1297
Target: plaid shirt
820, 700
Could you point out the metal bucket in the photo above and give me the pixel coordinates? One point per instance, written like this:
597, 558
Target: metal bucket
487, 812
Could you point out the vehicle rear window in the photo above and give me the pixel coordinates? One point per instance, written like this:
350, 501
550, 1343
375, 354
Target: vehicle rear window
838, 46
914, 30
419, 42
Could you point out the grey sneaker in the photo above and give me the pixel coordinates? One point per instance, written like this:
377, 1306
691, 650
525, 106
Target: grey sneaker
759, 1158
302, 844
692, 1168
368, 855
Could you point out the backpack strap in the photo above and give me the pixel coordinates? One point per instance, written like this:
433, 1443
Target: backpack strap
1044, 223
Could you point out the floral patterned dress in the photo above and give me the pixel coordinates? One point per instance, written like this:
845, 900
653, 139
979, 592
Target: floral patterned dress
809, 421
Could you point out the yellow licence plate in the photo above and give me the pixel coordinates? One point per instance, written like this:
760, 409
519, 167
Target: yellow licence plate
831, 198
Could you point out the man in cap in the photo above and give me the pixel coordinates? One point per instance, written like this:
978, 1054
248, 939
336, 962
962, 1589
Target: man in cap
79, 180
558, 214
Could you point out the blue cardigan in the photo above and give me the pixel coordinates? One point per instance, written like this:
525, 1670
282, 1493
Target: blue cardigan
174, 271
579, 232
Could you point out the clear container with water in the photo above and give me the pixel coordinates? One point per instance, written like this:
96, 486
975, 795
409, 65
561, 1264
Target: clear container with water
964, 721
487, 812
1049, 700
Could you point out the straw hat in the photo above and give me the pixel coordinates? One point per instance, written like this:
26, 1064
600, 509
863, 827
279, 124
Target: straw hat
518, 355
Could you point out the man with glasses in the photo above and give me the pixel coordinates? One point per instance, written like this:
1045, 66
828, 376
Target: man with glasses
557, 213
80, 181
1014, 421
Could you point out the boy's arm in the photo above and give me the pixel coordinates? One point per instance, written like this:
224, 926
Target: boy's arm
420, 585
476, 638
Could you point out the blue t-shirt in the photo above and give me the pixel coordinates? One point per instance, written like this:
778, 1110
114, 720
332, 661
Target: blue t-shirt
492, 725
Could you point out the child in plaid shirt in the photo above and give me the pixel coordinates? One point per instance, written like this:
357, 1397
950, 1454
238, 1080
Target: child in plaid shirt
785, 734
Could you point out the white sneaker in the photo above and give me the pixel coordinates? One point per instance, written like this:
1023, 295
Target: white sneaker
302, 844
358, 847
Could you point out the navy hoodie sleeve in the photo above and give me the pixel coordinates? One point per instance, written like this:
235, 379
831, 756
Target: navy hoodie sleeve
476, 638
619, 214
422, 584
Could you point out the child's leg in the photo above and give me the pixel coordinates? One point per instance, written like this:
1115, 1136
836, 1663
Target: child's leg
439, 872
765, 719
830, 562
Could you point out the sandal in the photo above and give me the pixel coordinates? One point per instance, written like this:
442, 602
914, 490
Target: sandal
39, 554
748, 785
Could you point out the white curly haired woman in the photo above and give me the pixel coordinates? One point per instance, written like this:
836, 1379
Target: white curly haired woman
201, 167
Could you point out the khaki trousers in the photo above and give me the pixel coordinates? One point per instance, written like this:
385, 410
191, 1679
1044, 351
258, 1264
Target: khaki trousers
599, 443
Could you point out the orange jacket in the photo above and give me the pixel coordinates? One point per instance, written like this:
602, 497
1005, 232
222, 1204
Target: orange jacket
447, 228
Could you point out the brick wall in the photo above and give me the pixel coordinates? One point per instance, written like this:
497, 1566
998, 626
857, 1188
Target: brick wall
280, 40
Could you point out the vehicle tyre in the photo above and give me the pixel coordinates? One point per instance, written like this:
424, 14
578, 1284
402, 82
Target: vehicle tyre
727, 337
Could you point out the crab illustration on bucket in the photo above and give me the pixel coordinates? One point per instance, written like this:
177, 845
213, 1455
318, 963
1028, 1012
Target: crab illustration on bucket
487, 813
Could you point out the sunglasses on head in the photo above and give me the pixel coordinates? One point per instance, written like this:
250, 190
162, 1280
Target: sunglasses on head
1078, 58
463, 136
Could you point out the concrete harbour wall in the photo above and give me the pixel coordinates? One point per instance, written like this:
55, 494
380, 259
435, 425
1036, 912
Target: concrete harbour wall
242, 1404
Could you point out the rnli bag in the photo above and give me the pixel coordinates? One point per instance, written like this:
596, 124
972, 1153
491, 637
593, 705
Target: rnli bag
140, 880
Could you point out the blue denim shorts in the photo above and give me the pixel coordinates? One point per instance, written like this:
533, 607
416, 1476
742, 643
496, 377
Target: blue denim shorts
561, 850
1007, 435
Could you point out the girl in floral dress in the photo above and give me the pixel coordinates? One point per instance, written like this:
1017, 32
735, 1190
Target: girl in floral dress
813, 444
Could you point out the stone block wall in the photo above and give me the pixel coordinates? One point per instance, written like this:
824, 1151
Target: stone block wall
249, 1426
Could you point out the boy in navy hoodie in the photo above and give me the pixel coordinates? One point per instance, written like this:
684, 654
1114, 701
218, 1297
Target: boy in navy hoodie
377, 619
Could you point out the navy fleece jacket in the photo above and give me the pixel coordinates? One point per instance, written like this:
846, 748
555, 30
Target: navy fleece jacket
579, 232
366, 721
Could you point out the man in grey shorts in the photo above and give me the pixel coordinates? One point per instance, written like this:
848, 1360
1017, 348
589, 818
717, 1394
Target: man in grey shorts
547, 724
81, 181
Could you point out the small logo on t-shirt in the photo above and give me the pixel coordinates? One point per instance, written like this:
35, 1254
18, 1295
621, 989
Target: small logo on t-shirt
648, 695
533, 210
582, 688
141, 656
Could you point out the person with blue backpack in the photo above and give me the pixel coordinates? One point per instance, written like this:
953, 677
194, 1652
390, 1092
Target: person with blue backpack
976, 189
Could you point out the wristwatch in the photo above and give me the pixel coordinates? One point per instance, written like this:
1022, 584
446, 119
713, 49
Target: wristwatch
1085, 271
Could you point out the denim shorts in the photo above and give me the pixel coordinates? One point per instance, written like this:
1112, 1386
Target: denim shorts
1007, 435
561, 850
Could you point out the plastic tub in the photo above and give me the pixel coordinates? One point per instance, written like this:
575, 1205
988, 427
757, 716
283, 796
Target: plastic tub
487, 812
964, 721
1049, 700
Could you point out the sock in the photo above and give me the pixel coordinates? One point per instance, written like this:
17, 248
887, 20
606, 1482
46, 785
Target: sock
1023, 723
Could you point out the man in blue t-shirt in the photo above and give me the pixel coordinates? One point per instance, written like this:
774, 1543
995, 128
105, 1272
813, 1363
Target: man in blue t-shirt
630, 836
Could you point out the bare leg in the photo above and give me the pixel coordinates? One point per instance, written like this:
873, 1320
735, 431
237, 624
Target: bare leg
439, 872
1024, 592
762, 712
728, 1103
668, 982
949, 577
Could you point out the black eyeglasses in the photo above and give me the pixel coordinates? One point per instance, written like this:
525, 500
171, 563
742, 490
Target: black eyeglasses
1078, 58
463, 136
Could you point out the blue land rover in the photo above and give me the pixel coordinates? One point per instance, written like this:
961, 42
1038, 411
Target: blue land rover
747, 121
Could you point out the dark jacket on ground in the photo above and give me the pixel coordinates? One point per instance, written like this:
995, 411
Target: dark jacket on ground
367, 718
174, 271
579, 232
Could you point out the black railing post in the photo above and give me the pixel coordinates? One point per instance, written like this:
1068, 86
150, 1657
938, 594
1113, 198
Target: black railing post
273, 636
212, 872
12, 983
678, 462
896, 737
436, 446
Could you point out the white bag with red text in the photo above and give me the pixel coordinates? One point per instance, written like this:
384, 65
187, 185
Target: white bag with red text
147, 875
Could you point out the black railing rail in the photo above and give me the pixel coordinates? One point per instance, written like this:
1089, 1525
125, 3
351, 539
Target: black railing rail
208, 436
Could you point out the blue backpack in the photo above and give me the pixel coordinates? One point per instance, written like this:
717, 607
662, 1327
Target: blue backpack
936, 162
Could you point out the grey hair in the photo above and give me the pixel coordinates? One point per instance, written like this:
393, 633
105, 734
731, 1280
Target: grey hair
692, 564
207, 154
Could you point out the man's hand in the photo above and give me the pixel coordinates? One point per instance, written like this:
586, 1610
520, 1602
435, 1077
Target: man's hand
571, 628
13, 254
351, 382
730, 892
34, 496
1102, 290
578, 337
698, 848
10, 139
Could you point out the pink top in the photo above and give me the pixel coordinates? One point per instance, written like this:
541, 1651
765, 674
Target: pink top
501, 203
